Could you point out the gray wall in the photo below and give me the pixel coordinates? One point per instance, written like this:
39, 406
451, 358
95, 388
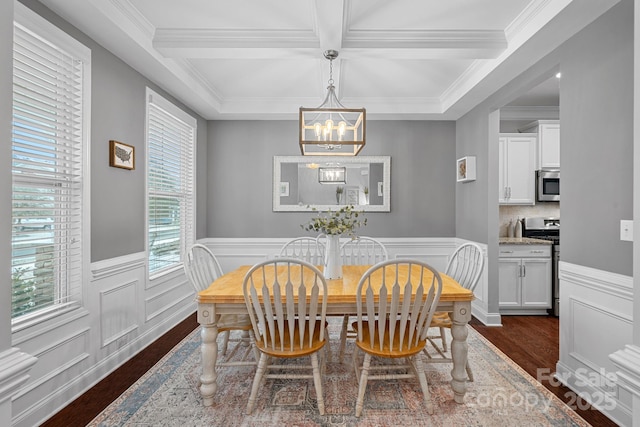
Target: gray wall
240, 157
118, 112
477, 201
596, 113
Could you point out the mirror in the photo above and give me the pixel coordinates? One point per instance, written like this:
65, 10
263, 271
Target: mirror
301, 183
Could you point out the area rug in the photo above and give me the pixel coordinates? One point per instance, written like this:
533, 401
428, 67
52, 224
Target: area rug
502, 394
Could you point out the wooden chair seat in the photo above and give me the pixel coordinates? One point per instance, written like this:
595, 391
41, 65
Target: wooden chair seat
441, 319
387, 349
234, 322
285, 348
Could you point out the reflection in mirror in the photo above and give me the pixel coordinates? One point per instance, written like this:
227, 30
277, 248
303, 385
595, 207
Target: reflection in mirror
301, 183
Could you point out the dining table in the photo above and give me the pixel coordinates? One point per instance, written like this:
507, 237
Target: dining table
225, 296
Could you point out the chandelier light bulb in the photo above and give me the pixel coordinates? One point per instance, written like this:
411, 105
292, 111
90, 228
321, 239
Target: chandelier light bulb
318, 130
329, 125
342, 129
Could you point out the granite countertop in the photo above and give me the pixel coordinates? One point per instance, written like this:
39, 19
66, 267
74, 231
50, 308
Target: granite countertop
523, 241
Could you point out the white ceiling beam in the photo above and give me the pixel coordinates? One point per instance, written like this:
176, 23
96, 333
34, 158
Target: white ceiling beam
234, 44
329, 22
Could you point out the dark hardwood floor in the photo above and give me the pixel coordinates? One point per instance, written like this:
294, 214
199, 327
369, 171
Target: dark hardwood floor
531, 341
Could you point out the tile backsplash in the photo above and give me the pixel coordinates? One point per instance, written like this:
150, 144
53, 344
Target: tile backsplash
513, 212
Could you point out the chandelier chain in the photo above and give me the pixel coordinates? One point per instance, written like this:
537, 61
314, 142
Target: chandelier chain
331, 72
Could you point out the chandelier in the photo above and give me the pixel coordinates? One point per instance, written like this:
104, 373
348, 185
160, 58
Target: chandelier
331, 129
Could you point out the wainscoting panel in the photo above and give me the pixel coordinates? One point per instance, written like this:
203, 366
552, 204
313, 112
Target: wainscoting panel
595, 322
66, 357
122, 313
178, 294
118, 311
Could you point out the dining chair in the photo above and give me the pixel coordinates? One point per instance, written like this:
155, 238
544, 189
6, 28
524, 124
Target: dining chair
396, 326
286, 324
465, 266
362, 250
202, 268
304, 248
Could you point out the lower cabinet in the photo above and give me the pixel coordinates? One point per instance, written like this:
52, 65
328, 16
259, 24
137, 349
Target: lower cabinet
524, 279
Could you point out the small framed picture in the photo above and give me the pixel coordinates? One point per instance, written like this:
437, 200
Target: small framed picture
466, 169
121, 155
284, 189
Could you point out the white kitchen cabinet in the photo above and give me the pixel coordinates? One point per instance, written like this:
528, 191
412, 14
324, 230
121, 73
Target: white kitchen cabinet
548, 142
524, 276
516, 177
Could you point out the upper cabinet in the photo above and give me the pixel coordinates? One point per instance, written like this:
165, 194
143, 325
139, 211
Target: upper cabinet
516, 176
548, 142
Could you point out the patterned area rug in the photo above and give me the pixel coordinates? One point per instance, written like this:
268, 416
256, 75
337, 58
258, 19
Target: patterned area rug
501, 395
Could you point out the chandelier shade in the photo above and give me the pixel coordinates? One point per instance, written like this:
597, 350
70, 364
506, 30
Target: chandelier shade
331, 129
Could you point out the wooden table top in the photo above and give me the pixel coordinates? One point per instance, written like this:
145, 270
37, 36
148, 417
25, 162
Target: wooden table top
227, 289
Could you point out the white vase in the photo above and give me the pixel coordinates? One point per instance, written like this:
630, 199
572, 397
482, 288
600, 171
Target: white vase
332, 258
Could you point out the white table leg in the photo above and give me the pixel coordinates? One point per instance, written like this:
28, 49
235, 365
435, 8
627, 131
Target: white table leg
209, 350
460, 318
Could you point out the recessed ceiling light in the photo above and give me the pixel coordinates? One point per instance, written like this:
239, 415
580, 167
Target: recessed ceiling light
558, 75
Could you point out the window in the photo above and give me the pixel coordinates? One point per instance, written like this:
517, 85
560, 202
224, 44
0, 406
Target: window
49, 134
170, 183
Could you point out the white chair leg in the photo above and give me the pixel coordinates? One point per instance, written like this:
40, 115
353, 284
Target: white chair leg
343, 336
469, 372
418, 364
225, 342
317, 381
355, 364
257, 379
256, 352
363, 384
327, 346
443, 338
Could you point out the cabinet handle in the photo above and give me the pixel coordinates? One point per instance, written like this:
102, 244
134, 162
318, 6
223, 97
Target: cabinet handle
505, 193
537, 252
509, 192
524, 271
506, 252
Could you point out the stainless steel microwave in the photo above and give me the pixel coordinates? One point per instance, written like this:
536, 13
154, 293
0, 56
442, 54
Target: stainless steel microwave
548, 185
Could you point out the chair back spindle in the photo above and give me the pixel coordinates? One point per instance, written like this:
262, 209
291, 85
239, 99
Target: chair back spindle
201, 267
363, 250
286, 295
465, 265
405, 303
305, 248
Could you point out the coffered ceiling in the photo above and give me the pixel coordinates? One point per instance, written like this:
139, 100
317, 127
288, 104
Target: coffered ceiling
400, 59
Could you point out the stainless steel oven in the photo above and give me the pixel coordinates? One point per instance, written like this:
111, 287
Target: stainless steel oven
548, 185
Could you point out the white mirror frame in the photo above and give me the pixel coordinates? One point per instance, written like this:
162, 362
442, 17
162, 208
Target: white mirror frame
386, 182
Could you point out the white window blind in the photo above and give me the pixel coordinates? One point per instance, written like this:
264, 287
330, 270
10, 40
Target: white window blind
170, 182
47, 171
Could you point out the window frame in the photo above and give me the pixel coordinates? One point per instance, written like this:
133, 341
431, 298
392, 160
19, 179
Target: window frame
50, 34
187, 228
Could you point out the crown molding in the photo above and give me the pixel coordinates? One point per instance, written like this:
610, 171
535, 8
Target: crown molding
530, 113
